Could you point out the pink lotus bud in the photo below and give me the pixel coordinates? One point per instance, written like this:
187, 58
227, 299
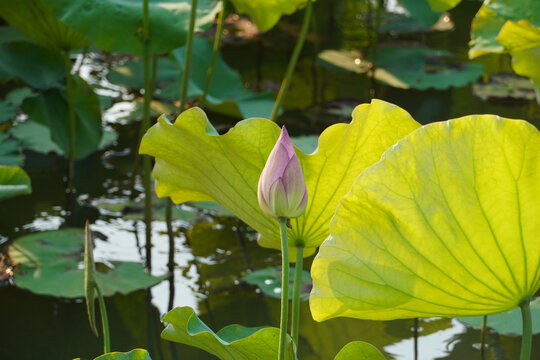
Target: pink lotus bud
282, 190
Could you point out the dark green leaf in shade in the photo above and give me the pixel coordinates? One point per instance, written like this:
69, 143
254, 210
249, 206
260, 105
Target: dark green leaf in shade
233, 342
9, 34
10, 151
17, 96
90, 283
35, 136
116, 25
13, 182
359, 350
47, 263
422, 11
35, 65
7, 112
51, 109
269, 281
507, 323
36, 20
137, 354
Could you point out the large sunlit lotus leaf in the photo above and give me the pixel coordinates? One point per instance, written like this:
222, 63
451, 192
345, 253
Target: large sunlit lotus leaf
137, 354
446, 224
13, 182
116, 25
491, 17
35, 65
37, 20
266, 13
48, 263
442, 5
359, 350
50, 108
522, 41
233, 342
194, 164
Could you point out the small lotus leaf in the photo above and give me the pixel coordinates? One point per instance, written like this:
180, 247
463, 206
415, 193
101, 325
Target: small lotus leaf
13, 182
10, 151
137, 354
269, 281
7, 112
446, 224
48, 263
266, 13
193, 164
116, 25
234, 342
359, 350
508, 323
422, 11
442, 5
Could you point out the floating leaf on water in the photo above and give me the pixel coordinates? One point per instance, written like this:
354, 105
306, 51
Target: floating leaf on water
49, 263
137, 354
507, 323
17, 96
424, 68
230, 343
502, 86
349, 60
269, 281
7, 112
116, 25
359, 350
35, 136
446, 224
228, 169
10, 151
422, 11
13, 182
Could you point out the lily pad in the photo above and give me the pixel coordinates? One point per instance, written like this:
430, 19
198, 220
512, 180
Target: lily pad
269, 281
491, 17
507, 323
307, 143
13, 182
234, 342
10, 151
502, 86
267, 13
17, 96
348, 60
424, 68
116, 25
35, 65
36, 20
194, 164
522, 41
7, 112
48, 263
422, 11
359, 350
137, 354
50, 108
446, 224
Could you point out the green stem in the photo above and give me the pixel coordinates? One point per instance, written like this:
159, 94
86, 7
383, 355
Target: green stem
284, 289
526, 340
292, 62
295, 321
104, 322
483, 338
72, 120
378, 13
189, 50
215, 52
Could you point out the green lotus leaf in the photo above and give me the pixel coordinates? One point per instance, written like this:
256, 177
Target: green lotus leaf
233, 342
194, 164
269, 281
359, 350
116, 25
266, 13
422, 11
36, 20
522, 41
7, 112
37, 66
423, 68
50, 108
446, 224
10, 151
48, 263
137, 354
13, 182
491, 17
508, 323
442, 5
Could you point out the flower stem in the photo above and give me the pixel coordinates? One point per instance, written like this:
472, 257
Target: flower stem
295, 321
187, 60
72, 120
215, 52
292, 62
284, 288
526, 340
104, 322
483, 338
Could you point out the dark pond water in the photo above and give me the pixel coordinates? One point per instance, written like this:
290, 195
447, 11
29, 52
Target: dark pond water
211, 255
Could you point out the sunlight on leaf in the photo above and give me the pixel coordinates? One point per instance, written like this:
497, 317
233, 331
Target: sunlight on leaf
233, 342
13, 182
446, 224
359, 350
137, 354
266, 13
193, 165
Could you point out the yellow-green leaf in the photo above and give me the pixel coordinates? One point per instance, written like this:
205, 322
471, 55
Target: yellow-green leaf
194, 164
266, 13
446, 224
522, 41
